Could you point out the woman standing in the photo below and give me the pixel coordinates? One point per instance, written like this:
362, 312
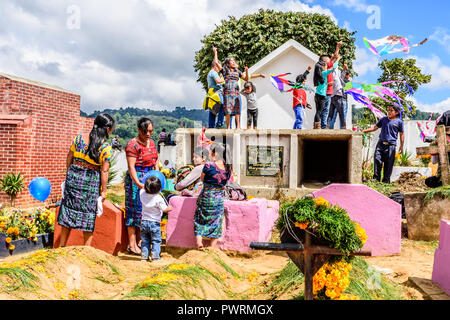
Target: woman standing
88, 163
210, 203
142, 157
231, 95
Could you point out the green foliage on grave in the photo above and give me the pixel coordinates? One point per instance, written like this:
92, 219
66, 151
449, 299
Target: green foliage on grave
252, 37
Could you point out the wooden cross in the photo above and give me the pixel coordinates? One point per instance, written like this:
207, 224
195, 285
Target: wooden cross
308, 258
441, 150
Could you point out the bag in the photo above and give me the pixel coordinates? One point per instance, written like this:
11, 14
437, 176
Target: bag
234, 192
213, 101
399, 198
183, 172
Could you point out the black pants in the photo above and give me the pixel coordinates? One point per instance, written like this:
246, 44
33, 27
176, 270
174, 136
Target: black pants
384, 154
252, 116
337, 104
321, 102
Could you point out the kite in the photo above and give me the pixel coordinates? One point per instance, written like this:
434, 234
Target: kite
426, 134
279, 82
361, 91
202, 140
389, 43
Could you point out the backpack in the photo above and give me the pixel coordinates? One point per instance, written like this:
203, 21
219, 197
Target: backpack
233, 191
213, 101
183, 172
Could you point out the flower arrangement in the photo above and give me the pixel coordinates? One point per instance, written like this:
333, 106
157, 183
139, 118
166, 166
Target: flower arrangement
331, 226
424, 159
16, 225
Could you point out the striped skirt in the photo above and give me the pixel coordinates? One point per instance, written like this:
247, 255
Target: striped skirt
133, 205
79, 205
209, 214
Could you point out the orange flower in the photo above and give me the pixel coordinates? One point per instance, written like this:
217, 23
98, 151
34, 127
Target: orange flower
321, 202
16, 231
8, 240
10, 230
302, 225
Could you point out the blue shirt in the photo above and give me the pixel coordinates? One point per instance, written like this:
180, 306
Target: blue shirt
212, 75
322, 88
390, 129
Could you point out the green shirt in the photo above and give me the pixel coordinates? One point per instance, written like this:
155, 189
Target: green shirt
322, 88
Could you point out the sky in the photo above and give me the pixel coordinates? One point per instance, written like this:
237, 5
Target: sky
140, 53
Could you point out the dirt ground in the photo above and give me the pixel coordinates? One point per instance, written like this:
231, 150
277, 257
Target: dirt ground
99, 281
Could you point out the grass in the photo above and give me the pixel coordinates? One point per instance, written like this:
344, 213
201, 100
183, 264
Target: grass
384, 188
182, 287
115, 198
225, 266
289, 278
101, 279
19, 279
443, 192
113, 268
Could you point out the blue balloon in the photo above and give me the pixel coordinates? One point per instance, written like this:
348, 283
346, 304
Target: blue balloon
157, 174
40, 188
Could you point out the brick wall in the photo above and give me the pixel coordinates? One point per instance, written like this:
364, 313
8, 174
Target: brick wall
39, 146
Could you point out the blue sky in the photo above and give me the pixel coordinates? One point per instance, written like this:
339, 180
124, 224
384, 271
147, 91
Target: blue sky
140, 52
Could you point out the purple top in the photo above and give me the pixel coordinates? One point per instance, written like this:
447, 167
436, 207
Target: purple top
214, 176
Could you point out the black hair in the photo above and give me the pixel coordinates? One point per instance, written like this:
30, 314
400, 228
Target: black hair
318, 76
397, 108
202, 152
99, 134
225, 66
143, 124
152, 185
224, 153
248, 83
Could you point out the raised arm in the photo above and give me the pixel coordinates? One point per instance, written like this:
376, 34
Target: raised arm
335, 55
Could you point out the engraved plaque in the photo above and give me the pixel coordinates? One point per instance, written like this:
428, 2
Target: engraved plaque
264, 161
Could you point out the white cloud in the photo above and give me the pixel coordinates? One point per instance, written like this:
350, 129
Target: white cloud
355, 5
365, 62
135, 52
440, 73
442, 36
439, 107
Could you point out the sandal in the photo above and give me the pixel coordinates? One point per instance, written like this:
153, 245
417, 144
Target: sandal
132, 252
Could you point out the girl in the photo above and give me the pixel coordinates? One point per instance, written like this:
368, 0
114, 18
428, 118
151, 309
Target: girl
210, 203
249, 92
87, 177
142, 157
300, 102
153, 206
232, 99
191, 185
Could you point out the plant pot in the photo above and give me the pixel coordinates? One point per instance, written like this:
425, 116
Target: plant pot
44, 240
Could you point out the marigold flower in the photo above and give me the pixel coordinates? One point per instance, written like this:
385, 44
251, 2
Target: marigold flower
12, 247
8, 240
321, 202
302, 225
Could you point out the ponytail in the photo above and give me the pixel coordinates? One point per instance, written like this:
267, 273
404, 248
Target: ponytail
98, 134
223, 151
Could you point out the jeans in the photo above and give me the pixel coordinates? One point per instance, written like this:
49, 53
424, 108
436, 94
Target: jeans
337, 107
252, 116
299, 113
384, 154
212, 119
321, 102
333, 120
324, 112
150, 234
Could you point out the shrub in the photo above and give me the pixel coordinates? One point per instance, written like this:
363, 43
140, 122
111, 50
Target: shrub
12, 185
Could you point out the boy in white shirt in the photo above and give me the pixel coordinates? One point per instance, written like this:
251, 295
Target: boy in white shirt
153, 206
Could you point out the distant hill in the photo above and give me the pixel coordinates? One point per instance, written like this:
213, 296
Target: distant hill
357, 113
126, 120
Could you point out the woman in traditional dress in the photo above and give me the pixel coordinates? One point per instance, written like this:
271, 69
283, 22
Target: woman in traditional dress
210, 203
231, 95
142, 156
190, 185
88, 164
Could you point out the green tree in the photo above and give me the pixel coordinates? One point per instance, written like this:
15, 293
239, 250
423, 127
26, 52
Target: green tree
253, 36
401, 70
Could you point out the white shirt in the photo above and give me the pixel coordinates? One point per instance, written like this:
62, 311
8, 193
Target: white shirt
152, 206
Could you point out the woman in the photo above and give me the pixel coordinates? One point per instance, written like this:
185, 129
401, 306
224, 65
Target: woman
231, 95
142, 157
88, 163
208, 216
191, 185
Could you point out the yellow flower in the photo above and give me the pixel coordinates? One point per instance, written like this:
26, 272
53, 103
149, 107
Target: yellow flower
360, 232
178, 267
12, 247
322, 202
252, 276
10, 230
8, 240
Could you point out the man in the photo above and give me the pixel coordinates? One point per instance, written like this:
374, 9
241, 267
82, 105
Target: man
339, 98
390, 126
216, 82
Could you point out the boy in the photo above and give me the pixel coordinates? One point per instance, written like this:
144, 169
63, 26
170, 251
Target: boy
299, 99
390, 126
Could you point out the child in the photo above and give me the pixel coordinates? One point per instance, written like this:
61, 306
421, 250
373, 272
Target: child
385, 149
210, 203
321, 82
300, 102
249, 92
153, 206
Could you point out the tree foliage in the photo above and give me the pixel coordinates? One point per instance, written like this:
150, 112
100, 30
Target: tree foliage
402, 70
254, 36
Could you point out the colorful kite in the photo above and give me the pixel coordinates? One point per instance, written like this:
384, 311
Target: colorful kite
426, 132
361, 91
389, 43
279, 82
202, 140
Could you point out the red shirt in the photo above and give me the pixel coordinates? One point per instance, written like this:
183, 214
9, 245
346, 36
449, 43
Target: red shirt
299, 97
330, 79
145, 157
